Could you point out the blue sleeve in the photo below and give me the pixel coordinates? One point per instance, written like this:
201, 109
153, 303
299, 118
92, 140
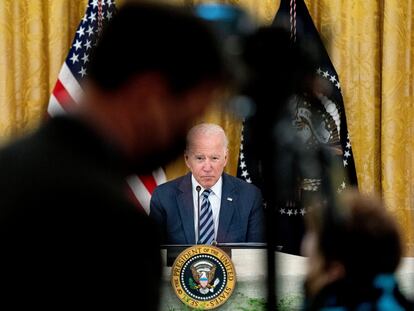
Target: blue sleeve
157, 213
256, 227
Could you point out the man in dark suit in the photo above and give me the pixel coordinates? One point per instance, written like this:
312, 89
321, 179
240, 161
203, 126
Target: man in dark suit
69, 236
230, 209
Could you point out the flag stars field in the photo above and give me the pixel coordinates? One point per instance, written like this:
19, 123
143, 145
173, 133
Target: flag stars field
74, 58
92, 17
88, 44
77, 45
90, 31
82, 72
85, 58
81, 31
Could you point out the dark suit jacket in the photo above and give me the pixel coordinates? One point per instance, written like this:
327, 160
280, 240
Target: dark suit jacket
240, 219
68, 234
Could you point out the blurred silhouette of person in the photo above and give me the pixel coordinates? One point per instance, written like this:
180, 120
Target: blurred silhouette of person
231, 210
353, 255
69, 235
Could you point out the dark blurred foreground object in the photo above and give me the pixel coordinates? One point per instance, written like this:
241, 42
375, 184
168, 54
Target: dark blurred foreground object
69, 237
353, 255
298, 119
276, 73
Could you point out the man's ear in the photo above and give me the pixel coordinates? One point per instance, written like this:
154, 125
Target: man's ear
186, 159
226, 157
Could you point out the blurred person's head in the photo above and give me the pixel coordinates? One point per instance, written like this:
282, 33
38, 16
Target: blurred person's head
155, 68
360, 242
206, 153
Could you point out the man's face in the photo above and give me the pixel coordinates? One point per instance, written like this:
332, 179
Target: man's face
206, 158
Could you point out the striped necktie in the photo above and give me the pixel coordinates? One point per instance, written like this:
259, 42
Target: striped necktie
206, 220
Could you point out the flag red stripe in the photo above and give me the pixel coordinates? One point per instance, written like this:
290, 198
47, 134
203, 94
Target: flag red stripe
63, 96
149, 182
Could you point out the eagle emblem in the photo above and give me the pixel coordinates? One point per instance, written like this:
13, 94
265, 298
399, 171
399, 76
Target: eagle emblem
203, 275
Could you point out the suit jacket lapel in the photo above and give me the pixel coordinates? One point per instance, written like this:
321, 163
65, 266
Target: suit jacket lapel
227, 208
186, 208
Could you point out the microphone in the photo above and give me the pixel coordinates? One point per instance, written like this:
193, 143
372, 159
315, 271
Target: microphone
198, 188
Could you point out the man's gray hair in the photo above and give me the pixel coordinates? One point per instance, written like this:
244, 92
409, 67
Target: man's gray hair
206, 129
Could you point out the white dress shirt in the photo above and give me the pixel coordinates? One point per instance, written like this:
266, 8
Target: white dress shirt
215, 201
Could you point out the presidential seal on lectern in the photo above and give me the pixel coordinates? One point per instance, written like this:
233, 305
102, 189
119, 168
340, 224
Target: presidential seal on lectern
203, 277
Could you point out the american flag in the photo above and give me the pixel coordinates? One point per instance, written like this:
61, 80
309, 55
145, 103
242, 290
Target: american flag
68, 92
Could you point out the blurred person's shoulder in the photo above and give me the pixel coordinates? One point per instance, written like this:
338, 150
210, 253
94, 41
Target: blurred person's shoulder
60, 143
60, 163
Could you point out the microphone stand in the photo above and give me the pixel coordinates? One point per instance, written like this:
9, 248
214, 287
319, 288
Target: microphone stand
198, 188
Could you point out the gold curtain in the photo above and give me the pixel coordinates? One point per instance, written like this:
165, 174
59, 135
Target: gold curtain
34, 40
371, 44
